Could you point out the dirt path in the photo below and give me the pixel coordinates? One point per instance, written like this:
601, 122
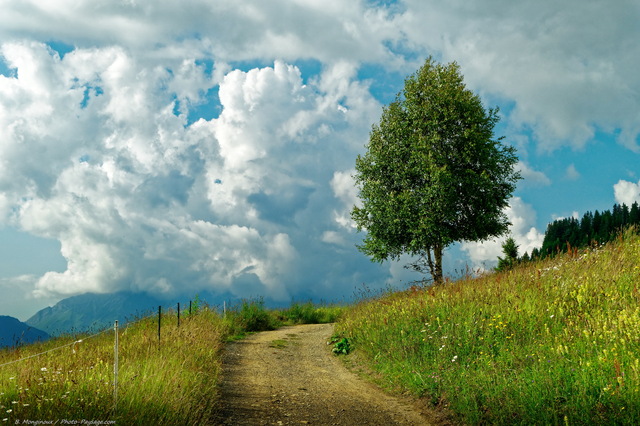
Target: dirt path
289, 376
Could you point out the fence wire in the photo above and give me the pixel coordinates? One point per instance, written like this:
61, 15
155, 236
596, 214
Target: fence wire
110, 328
59, 347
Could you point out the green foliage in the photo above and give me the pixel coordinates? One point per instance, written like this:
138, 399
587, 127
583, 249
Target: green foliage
309, 313
551, 342
565, 234
510, 250
250, 316
196, 305
433, 173
341, 345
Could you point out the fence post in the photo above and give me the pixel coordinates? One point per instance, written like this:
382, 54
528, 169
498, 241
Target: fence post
159, 321
115, 368
189, 307
178, 314
224, 308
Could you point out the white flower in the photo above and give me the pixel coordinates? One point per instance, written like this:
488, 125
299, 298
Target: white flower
43, 369
454, 358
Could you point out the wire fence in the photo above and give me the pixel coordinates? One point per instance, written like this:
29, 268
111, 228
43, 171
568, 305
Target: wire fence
117, 331
57, 348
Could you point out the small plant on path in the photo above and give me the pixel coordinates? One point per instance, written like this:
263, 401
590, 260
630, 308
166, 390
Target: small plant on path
341, 345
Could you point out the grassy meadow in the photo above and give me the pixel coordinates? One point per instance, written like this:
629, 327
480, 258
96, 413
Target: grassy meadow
549, 342
166, 382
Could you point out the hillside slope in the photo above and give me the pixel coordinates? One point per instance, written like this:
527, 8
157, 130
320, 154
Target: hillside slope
92, 311
549, 342
13, 332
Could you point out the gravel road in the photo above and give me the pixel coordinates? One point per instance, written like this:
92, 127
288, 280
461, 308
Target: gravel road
290, 377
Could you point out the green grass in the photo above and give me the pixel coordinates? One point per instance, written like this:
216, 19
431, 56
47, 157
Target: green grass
551, 342
171, 382
309, 313
247, 317
251, 315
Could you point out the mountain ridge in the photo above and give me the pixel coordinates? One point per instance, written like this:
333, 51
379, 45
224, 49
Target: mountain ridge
14, 332
91, 311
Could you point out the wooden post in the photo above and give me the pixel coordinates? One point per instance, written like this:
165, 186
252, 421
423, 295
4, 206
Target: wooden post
159, 320
178, 314
189, 307
115, 368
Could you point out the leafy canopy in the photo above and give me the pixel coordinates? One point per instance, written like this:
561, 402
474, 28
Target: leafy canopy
433, 172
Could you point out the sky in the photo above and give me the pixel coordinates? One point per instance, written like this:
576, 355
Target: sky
180, 147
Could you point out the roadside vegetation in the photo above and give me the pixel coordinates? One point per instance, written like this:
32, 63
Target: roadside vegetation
166, 381
251, 315
548, 342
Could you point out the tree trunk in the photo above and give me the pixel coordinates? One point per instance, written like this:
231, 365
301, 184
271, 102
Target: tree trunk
436, 273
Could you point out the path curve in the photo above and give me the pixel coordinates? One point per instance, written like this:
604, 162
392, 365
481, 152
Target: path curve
290, 377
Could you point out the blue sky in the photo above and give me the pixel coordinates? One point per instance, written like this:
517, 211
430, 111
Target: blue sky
208, 146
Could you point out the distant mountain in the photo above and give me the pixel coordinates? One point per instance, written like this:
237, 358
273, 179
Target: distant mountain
15, 333
89, 311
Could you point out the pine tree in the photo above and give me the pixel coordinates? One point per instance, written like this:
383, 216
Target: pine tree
510, 251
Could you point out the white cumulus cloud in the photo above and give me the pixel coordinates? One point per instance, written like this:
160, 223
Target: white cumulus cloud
626, 192
522, 217
532, 176
98, 154
569, 68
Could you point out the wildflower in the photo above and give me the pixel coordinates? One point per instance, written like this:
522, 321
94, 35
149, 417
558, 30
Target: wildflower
454, 358
43, 369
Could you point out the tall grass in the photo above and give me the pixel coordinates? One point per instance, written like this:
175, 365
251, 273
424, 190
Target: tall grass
551, 342
171, 381
310, 313
251, 315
